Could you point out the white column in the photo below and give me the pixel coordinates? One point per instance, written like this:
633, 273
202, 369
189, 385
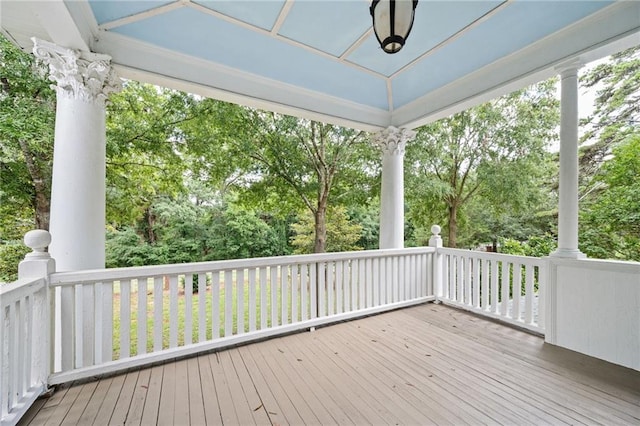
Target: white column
83, 81
392, 142
568, 192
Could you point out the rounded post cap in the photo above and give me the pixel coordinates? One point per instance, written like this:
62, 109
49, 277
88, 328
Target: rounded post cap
435, 229
37, 240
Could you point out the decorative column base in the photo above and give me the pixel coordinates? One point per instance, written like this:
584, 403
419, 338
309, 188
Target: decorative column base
568, 254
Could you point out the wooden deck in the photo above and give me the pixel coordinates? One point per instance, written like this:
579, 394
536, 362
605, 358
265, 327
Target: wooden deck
424, 365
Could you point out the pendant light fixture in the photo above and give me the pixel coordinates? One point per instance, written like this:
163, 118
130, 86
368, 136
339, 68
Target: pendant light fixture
392, 22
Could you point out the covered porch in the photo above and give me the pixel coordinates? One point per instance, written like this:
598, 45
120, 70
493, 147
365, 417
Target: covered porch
428, 364
67, 319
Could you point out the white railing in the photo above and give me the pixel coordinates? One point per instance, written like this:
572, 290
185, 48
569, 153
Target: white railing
24, 346
98, 327
506, 287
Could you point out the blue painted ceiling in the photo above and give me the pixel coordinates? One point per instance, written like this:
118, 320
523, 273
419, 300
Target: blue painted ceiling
326, 51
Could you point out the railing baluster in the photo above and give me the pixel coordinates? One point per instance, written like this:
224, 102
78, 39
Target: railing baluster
228, 303
284, 294
369, 283
304, 292
14, 358
240, 299
125, 319
362, 286
401, 277
354, 278
173, 311
339, 287
202, 307
215, 305
459, 279
263, 298
274, 295
494, 286
542, 279
346, 285
294, 293
4, 377
506, 273
485, 284
21, 354
142, 315
389, 281
252, 299
476, 283
28, 338
468, 273
375, 281
383, 281
321, 280
313, 290
516, 290
188, 309
98, 325
158, 326
528, 296
330, 284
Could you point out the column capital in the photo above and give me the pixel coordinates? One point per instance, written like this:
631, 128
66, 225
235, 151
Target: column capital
569, 68
393, 140
78, 75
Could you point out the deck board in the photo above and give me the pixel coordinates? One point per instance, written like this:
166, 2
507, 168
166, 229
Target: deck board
429, 364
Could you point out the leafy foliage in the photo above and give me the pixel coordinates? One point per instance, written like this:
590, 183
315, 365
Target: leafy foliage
27, 114
611, 222
342, 234
492, 152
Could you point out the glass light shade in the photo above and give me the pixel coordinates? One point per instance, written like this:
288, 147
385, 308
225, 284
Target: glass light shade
392, 22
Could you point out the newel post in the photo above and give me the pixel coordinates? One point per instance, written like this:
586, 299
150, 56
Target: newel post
39, 262
436, 242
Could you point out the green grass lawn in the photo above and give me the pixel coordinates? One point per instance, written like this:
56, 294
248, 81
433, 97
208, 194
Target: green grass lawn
195, 310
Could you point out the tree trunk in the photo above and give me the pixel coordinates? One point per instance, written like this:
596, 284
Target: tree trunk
41, 200
320, 245
150, 220
453, 226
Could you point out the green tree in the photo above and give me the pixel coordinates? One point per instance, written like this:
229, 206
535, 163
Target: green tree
342, 234
27, 114
493, 151
616, 115
610, 224
304, 164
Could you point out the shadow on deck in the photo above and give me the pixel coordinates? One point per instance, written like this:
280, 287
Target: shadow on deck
426, 364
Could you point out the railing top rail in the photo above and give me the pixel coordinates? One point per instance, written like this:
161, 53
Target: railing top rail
223, 265
11, 292
492, 256
599, 264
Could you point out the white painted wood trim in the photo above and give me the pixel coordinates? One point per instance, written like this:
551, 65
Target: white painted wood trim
223, 343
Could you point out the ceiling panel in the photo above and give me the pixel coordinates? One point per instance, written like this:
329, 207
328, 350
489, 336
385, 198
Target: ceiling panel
316, 24
262, 13
435, 22
107, 11
191, 32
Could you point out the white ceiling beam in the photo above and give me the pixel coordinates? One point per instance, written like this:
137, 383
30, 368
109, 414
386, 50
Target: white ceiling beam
144, 15
55, 18
286, 8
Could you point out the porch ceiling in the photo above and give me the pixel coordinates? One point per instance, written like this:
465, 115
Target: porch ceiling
320, 59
